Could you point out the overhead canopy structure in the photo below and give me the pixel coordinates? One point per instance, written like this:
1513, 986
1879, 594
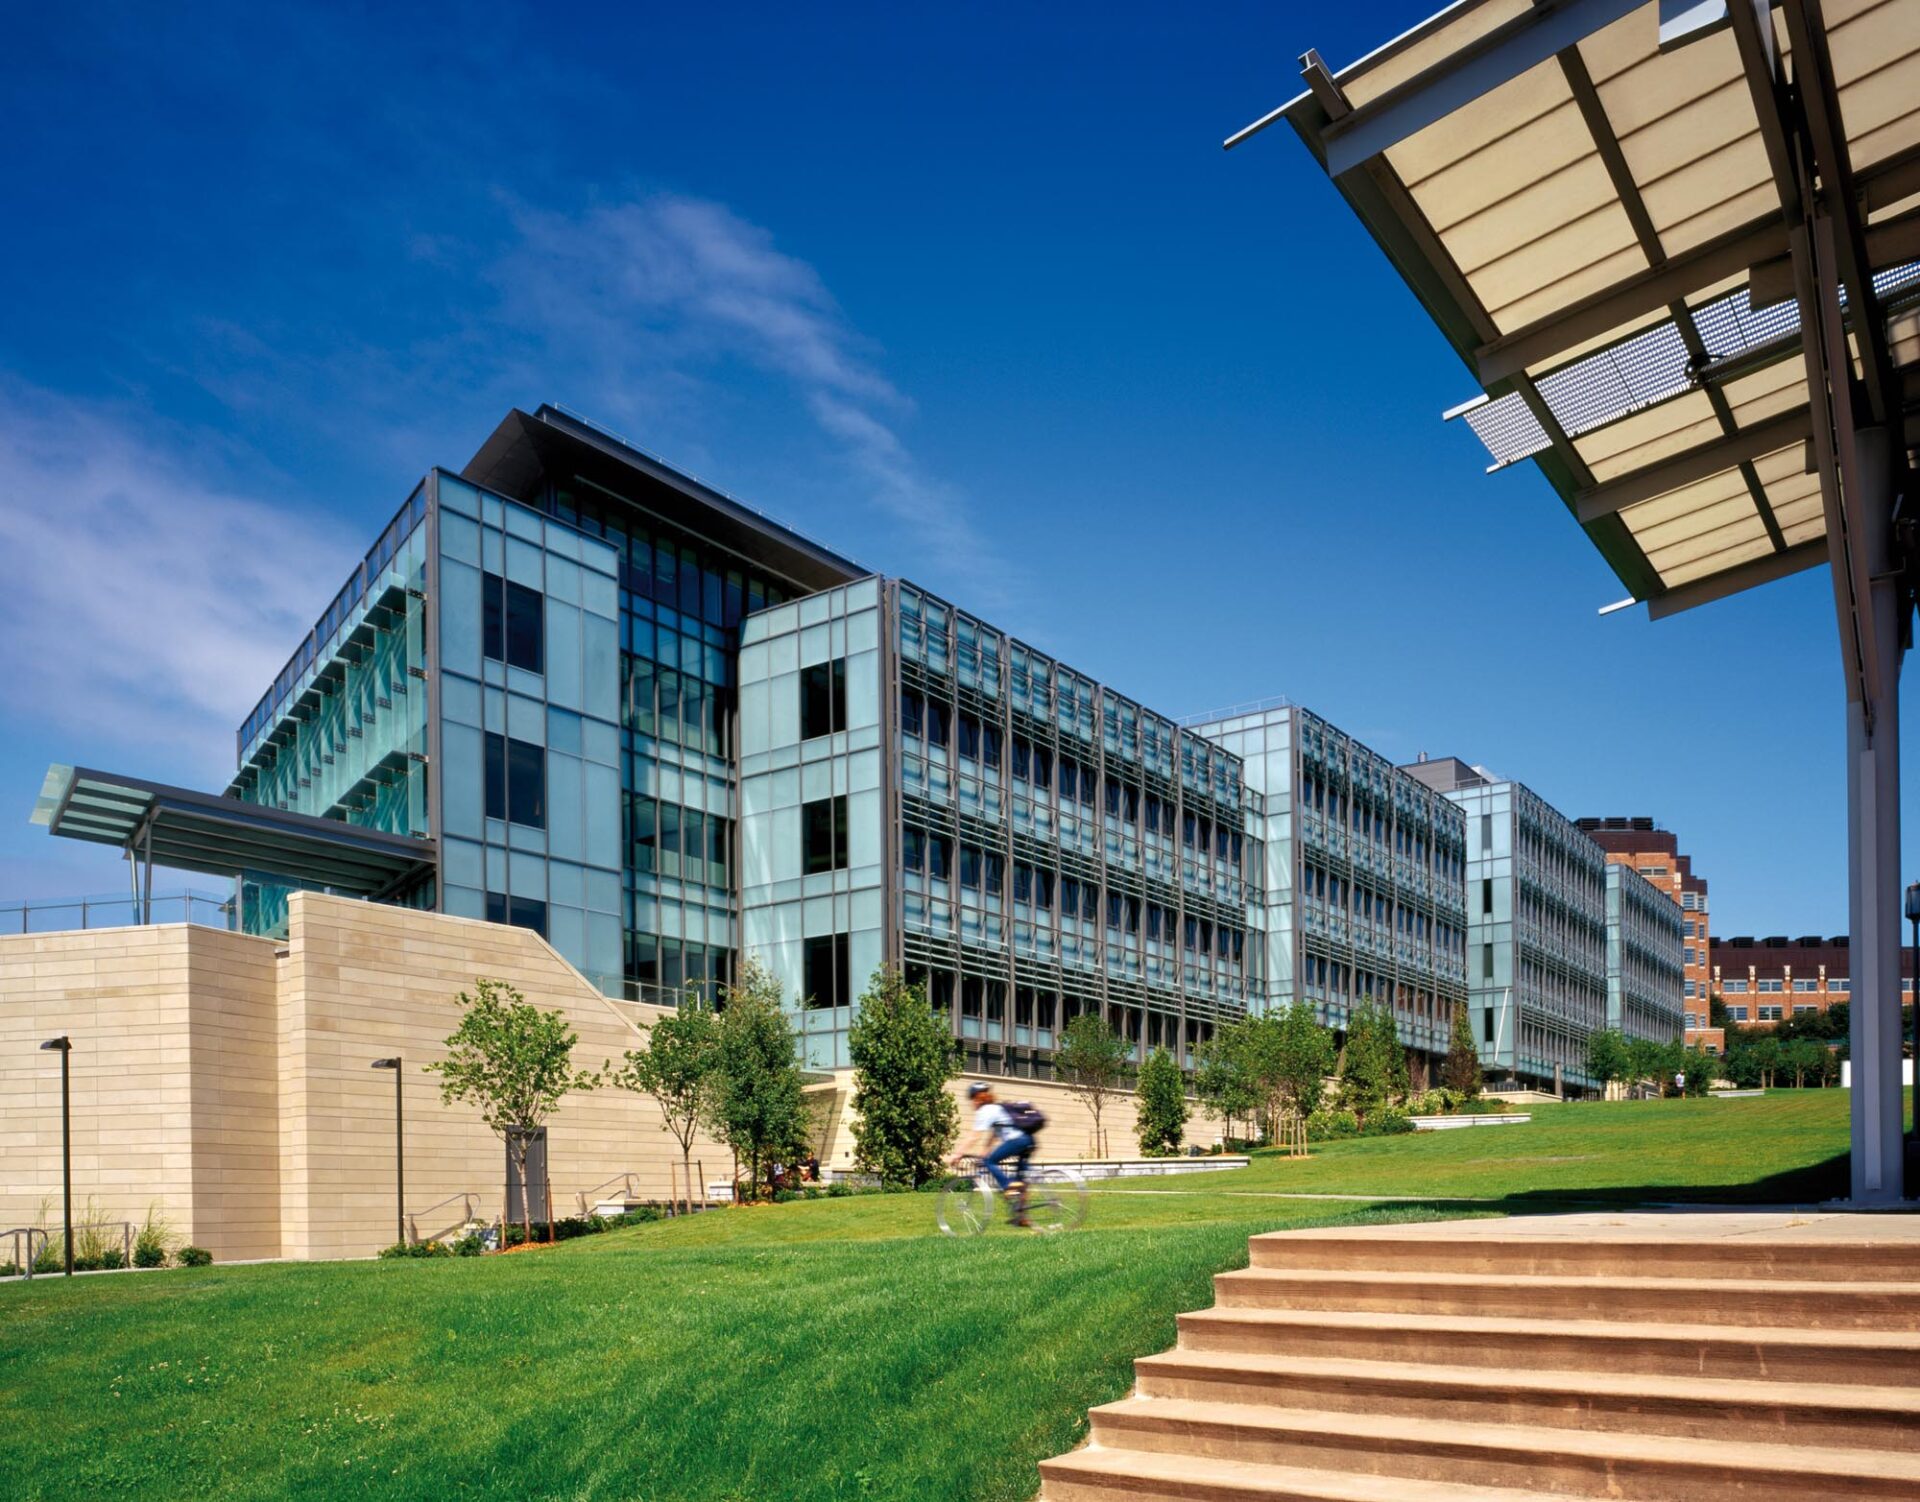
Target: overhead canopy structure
190, 831
1677, 244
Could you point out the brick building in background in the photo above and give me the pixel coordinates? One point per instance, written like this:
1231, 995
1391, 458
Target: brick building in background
1766, 981
1655, 853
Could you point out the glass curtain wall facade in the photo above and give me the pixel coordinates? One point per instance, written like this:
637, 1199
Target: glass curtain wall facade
1049, 847
1362, 879
814, 873
343, 731
1536, 936
1645, 971
543, 681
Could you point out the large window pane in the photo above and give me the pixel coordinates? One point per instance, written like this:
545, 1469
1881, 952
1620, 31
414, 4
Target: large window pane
512, 623
827, 981
823, 698
516, 781
823, 834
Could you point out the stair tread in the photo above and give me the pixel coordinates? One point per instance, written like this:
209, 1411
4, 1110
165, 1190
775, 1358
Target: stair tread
1480, 1324
1257, 1481
1321, 1277
1727, 1392
1524, 1439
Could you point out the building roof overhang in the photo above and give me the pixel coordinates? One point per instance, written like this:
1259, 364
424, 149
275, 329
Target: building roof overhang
530, 449
1682, 264
193, 831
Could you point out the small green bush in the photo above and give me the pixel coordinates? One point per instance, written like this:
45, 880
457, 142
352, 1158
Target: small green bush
429, 1248
470, 1245
147, 1254
195, 1256
1330, 1124
785, 1196
152, 1241
642, 1215
1388, 1123
9, 1269
839, 1189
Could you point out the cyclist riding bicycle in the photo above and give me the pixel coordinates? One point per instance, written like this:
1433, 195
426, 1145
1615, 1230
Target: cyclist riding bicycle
994, 1123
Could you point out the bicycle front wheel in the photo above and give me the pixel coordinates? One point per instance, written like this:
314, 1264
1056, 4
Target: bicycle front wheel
965, 1207
1056, 1199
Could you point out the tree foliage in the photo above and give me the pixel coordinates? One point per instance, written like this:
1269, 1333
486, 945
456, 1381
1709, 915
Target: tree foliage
758, 1106
1292, 1055
1373, 1074
1091, 1060
1223, 1077
1461, 1072
903, 1055
678, 1069
1607, 1055
514, 1062
1163, 1105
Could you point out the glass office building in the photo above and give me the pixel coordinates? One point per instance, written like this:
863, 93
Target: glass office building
1645, 970
1360, 894
534, 673
919, 787
1536, 893
577, 691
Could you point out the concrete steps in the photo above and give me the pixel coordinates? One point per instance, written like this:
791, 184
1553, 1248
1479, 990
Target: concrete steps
1800, 1303
1414, 1365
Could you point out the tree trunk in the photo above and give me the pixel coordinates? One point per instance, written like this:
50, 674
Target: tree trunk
686, 1168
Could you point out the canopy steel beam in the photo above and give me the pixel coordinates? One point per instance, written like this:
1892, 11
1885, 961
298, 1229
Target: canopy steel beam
1889, 243
1480, 67
1732, 581
1695, 464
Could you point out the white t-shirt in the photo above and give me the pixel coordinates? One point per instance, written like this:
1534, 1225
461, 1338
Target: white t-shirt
994, 1118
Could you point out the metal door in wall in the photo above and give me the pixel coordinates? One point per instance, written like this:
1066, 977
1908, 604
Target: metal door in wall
534, 1191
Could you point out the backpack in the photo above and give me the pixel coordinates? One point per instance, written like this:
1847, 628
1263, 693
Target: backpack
1025, 1116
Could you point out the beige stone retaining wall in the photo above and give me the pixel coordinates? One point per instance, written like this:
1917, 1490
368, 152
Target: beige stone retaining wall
226, 1081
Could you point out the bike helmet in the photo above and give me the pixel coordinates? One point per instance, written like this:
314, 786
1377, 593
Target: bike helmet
977, 1089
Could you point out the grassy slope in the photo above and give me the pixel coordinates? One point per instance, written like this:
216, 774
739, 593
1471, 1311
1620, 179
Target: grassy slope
834, 1349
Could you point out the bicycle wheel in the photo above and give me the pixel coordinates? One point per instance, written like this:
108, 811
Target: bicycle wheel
1056, 1199
965, 1209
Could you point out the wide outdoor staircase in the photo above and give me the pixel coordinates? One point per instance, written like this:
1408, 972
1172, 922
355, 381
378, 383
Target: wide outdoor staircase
1416, 1368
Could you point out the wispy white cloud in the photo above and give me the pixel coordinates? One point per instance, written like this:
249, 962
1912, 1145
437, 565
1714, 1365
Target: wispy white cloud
663, 290
145, 606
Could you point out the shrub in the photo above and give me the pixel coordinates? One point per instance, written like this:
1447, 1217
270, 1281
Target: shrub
399, 1249
114, 1258
642, 1214
151, 1242
839, 1189
785, 1196
1388, 1123
9, 1269
1330, 1124
195, 1256
470, 1245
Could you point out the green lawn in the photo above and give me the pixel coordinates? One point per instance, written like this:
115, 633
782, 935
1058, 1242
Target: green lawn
825, 1350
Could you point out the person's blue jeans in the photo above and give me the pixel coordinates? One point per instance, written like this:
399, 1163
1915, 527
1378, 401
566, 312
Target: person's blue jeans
1019, 1145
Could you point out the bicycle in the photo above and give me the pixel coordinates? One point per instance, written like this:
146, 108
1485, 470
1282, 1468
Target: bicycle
1056, 1200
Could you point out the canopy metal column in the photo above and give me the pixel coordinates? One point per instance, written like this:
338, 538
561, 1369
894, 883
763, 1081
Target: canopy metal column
1678, 244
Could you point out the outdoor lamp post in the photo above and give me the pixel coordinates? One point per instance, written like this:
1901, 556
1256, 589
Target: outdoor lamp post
399, 1149
63, 1045
1913, 917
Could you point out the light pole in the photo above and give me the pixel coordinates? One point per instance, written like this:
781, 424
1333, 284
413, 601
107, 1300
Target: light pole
1913, 917
63, 1045
399, 1149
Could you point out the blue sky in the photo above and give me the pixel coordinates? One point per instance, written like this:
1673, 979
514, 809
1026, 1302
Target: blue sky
971, 293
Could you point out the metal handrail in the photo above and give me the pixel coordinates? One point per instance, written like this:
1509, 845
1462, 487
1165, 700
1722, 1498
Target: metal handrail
625, 1179
466, 1198
25, 1264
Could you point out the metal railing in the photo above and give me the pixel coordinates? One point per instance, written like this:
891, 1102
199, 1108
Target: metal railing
588, 1198
15, 1238
86, 1233
64, 914
466, 1199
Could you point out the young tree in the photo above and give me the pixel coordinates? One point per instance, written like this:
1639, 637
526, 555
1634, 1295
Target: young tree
1222, 1078
1373, 1074
1803, 1056
1461, 1072
515, 1062
1290, 1056
1163, 1105
1092, 1060
758, 1106
903, 1056
677, 1069
1644, 1061
1607, 1055
1766, 1059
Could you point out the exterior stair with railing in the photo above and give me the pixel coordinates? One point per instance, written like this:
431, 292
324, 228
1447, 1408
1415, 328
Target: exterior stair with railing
1407, 1364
